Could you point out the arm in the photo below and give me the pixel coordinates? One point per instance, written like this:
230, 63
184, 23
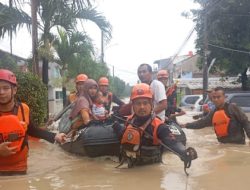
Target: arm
204, 122
179, 111
159, 97
169, 140
116, 100
160, 106
240, 117
39, 133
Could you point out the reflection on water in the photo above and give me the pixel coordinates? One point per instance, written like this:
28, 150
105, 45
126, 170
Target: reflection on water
219, 167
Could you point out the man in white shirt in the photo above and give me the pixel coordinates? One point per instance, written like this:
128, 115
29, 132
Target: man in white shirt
145, 74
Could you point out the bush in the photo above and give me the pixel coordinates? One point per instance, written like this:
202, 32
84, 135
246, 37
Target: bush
34, 93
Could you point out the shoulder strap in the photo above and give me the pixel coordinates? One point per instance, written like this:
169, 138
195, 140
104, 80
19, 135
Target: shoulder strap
226, 109
16, 107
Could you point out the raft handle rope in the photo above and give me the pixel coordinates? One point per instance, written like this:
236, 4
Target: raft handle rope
187, 164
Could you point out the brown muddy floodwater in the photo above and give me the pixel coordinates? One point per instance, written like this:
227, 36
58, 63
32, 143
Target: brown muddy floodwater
219, 167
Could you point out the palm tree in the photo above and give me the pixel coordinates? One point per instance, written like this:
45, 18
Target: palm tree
11, 19
67, 14
69, 47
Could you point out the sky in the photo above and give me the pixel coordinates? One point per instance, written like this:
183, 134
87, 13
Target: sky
143, 31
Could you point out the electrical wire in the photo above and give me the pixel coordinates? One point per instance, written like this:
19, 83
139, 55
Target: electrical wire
229, 49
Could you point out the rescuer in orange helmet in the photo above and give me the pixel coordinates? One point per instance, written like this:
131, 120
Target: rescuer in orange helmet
145, 134
79, 81
15, 126
108, 97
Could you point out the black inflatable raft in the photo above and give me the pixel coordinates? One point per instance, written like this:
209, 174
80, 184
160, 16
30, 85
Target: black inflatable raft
99, 139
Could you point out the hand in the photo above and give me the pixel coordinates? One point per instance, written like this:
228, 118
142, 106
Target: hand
183, 125
60, 137
172, 116
5, 150
196, 117
190, 155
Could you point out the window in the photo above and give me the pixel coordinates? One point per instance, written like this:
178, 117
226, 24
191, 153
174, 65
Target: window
59, 95
241, 101
191, 100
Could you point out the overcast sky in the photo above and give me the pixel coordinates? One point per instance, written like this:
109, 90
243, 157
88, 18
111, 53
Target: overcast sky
143, 31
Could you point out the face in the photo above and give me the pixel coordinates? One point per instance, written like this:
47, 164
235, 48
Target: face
99, 99
79, 86
103, 88
218, 98
7, 92
142, 107
144, 75
92, 91
164, 81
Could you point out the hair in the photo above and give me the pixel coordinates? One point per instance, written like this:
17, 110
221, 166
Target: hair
149, 68
219, 88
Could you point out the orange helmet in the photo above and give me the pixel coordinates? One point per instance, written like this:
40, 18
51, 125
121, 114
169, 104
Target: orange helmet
103, 81
162, 74
8, 76
141, 90
81, 78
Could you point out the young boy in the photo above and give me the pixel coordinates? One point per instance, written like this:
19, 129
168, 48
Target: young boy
98, 109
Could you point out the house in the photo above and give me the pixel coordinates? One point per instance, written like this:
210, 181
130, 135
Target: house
189, 86
54, 87
184, 69
20, 61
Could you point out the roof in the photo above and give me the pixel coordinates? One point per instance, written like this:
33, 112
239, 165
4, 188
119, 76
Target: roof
197, 83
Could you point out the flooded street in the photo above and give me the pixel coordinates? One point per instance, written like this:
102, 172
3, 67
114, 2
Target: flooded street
219, 167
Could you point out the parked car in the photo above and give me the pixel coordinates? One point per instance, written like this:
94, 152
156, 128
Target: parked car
193, 102
241, 99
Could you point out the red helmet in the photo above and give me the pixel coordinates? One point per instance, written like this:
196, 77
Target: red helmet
104, 81
81, 78
8, 76
141, 90
162, 74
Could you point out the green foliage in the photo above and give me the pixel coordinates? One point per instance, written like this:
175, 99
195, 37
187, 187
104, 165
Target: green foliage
7, 62
11, 19
32, 91
228, 29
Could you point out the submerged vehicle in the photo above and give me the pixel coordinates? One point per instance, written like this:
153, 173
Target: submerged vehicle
99, 138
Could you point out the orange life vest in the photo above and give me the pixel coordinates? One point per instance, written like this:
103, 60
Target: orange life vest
132, 136
72, 97
18, 161
221, 123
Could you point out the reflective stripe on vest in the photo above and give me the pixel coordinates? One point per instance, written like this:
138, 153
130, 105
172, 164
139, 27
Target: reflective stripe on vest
221, 123
133, 135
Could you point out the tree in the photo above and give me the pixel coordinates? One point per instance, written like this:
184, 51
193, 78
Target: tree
12, 19
228, 34
69, 46
66, 13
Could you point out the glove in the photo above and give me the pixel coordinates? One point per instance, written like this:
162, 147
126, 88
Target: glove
190, 155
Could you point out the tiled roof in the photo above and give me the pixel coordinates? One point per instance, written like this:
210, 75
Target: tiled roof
197, 83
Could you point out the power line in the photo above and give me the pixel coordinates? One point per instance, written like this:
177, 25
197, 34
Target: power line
229, 49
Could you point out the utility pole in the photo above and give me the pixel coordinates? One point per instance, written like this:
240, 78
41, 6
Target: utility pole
35, 64
102, 48
205, 66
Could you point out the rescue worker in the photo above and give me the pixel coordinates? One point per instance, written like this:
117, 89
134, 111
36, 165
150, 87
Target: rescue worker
15, 126
228, 120
79, 81
171, 94
145, 74
144, 134
108, 97
207, 107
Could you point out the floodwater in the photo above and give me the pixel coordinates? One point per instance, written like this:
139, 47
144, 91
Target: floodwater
219, 167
